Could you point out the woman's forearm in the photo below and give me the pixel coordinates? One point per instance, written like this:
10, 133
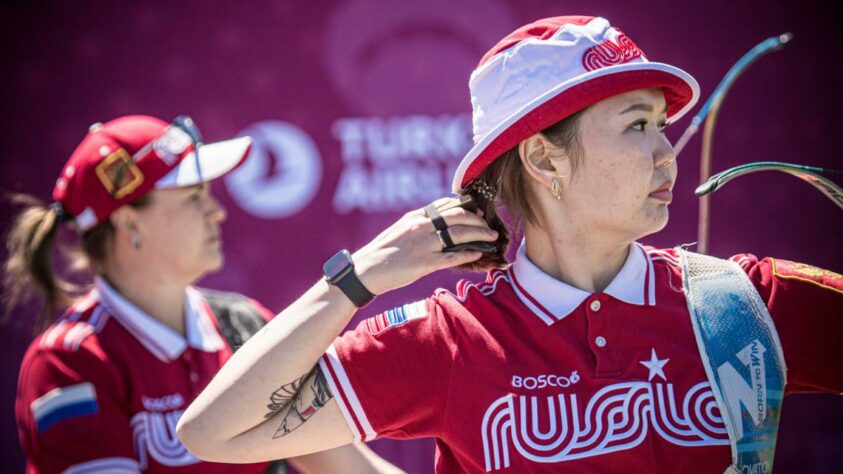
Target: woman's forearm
272, 378
263, 375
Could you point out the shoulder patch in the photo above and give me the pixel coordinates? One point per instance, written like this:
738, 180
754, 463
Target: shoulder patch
64, 402
397, 316
799, 271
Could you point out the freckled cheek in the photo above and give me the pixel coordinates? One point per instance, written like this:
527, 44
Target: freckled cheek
641, 171
628, 174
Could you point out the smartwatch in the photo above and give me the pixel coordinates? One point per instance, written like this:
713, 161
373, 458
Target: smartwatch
339, 272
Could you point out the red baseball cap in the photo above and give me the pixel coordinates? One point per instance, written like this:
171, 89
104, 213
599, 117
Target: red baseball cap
121, 160
550, 69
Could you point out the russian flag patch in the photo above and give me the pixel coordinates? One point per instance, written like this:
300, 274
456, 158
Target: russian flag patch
64, 402
397, 316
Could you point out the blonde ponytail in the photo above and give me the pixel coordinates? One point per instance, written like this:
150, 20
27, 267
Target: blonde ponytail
30, 244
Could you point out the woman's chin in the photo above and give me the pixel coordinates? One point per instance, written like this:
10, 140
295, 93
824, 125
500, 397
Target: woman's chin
657, 220
214, 263
217, 264
665, 216
661, 222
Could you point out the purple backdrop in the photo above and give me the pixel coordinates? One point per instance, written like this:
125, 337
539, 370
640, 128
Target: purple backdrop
360, 111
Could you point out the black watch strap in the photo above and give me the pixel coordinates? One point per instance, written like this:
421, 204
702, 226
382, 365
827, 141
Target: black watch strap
339, 271
354, 289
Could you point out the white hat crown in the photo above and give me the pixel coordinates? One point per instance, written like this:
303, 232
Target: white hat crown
525, 72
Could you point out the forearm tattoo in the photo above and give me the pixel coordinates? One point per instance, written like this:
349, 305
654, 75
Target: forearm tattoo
298, 400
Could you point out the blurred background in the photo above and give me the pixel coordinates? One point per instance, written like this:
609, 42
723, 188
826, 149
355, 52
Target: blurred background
360, 111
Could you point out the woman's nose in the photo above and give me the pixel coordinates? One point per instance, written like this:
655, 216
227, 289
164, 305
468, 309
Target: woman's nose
663, 152
216, 211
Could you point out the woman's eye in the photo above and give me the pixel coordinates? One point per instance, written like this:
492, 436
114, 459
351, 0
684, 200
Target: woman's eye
639, 125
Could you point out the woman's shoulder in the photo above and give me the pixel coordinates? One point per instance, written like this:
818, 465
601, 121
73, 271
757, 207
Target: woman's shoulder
475, 300
76, 329
72, 347
468, 289
671, 257
764, 272
438, 313
662, 256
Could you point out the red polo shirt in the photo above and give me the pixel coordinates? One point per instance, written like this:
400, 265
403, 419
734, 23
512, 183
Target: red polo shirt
523, 373
102, 388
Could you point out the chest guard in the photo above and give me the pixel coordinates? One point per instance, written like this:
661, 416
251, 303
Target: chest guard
742, 356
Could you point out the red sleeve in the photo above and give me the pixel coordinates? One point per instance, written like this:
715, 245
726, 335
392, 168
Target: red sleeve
391, 374
806, 304
70, 413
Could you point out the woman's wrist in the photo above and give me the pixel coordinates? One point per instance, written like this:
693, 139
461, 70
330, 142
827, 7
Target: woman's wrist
367, 272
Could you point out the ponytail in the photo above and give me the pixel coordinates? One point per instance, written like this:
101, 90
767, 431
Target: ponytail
30, 243
484, 194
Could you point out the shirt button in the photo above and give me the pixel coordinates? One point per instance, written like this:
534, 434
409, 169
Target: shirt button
194, 377
595, 305
600, 341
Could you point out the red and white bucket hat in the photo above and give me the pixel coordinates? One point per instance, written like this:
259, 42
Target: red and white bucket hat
550, 69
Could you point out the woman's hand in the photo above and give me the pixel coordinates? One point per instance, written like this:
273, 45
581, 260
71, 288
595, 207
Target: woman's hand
410, 249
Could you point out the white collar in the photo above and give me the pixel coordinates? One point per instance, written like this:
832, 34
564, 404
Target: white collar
159, 339
552, 300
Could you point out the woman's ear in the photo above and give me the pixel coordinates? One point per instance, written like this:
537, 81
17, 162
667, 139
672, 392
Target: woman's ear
124, 220
543, 161
127, 227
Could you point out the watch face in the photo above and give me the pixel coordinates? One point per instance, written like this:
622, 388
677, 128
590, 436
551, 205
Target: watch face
338, 266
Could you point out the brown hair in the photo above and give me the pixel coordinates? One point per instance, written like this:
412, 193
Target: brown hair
505, 177
29, 266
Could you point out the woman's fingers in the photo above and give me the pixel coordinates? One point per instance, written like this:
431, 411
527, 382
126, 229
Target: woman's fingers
458, 216
461, 234
453, 259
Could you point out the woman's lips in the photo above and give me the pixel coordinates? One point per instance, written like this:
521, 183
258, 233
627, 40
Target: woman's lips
664, 195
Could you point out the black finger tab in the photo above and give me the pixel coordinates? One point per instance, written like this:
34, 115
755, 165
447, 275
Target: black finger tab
485, 247
438, 222
446, 238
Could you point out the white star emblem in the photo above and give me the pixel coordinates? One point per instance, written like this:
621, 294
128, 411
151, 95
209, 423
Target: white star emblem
655, 366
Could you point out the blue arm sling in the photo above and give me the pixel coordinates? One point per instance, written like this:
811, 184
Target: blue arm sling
742, 356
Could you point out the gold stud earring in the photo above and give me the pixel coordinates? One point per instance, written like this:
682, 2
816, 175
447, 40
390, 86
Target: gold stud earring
556, 189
